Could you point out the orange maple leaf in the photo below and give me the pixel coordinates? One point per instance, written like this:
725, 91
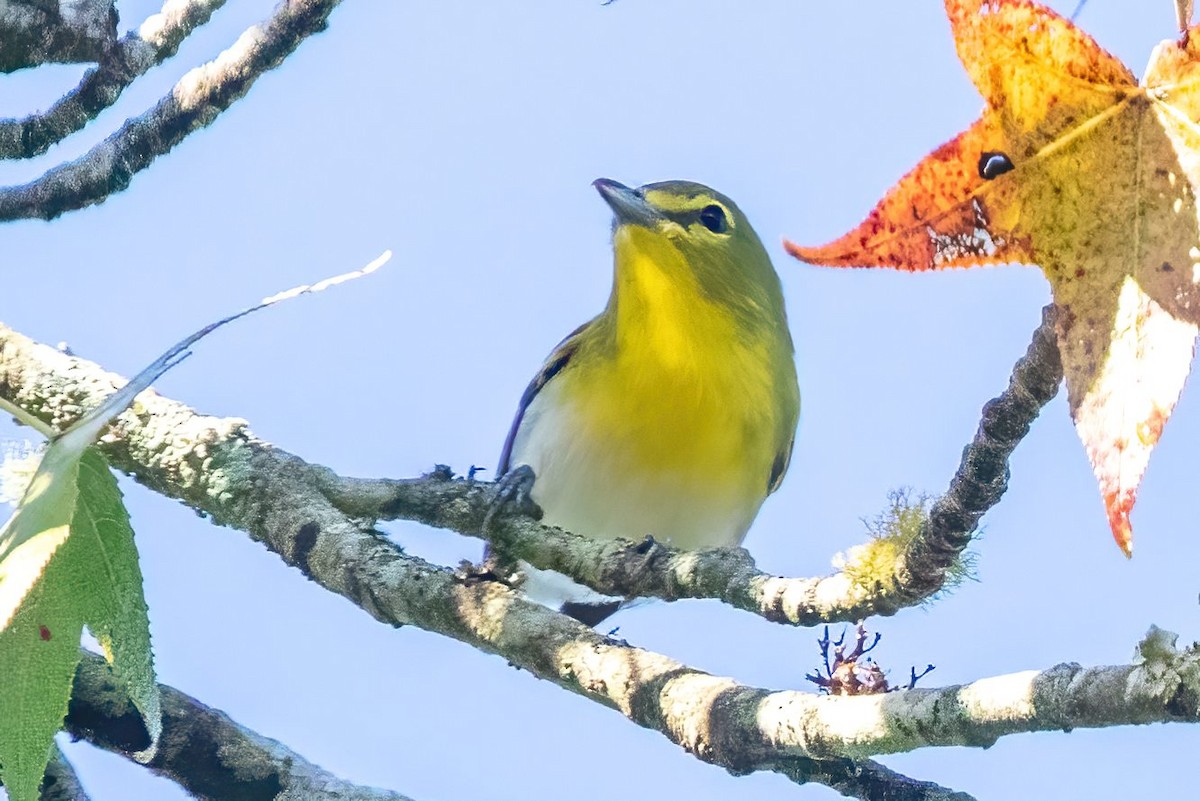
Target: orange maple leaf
1078, 168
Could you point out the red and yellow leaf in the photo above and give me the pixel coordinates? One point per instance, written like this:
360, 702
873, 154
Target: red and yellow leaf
1075, 167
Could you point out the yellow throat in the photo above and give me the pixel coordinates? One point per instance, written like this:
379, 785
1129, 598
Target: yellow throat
674, 411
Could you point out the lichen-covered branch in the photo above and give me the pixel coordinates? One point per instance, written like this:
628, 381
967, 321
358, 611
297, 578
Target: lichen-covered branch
137, 51
618, 567
649, 569
34, 32
218, 466
202, 749
982, 476
194, 102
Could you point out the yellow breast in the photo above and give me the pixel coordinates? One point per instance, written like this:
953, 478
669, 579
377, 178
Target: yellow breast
670, 428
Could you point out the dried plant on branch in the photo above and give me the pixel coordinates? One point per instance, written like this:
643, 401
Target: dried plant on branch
853, 672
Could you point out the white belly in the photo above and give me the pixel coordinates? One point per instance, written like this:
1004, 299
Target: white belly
588, 485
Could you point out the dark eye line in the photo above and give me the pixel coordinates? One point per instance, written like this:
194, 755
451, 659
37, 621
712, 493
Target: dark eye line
687, 219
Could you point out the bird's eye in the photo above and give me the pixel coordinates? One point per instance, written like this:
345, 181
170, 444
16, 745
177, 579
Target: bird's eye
713, 218
993, 165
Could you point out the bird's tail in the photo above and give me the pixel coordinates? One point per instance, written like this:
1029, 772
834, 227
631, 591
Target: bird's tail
562, 594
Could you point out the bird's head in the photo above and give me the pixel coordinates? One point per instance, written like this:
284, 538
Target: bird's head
698, 238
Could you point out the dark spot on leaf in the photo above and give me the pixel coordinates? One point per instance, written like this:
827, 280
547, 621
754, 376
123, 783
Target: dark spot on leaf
1166, 267
1080, 272
993, 164
44, 633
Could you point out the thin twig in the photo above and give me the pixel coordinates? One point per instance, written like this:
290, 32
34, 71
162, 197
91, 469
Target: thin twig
982, 476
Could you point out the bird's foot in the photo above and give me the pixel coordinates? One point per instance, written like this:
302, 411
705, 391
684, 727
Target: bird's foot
514, 495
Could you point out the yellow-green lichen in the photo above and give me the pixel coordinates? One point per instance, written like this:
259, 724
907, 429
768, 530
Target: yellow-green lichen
1168, 674
872, 565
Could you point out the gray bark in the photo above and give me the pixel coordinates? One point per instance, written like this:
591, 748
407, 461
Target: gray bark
218, 466
34, 32
194, 102
151, 43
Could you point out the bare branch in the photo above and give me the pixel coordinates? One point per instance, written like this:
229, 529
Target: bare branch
201, 748
213, 463
34, 32
652, 570
195, 101
61, 783
154, 41
35, 382
982, 476
866, 779
217, 466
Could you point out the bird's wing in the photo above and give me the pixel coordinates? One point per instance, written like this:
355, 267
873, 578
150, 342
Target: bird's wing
553, 365
780, 465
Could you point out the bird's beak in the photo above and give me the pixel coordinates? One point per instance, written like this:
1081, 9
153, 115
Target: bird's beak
628, 205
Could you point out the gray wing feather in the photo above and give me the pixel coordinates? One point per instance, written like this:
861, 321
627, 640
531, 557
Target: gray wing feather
555, 362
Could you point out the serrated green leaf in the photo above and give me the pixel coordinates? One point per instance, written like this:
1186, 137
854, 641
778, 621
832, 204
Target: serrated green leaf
112, 604
90, 578
53, 583
39, 649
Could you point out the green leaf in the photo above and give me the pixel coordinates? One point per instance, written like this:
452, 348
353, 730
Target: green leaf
68, 560
93, 579
112, 604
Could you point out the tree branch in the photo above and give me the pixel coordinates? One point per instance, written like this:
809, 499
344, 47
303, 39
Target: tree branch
648, 569
61, 783
34, 32
195, 101
865, 779
615, 567
219, 467
201, 748
154, 41
982, 476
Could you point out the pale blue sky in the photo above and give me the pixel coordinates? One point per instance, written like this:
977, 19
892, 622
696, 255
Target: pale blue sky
464, 136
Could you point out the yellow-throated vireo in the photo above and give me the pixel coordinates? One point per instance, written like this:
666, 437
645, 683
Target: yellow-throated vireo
672, 413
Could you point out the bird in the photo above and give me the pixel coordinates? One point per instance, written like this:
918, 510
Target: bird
673, 412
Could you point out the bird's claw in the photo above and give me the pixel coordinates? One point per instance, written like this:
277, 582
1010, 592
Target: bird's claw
514, 494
